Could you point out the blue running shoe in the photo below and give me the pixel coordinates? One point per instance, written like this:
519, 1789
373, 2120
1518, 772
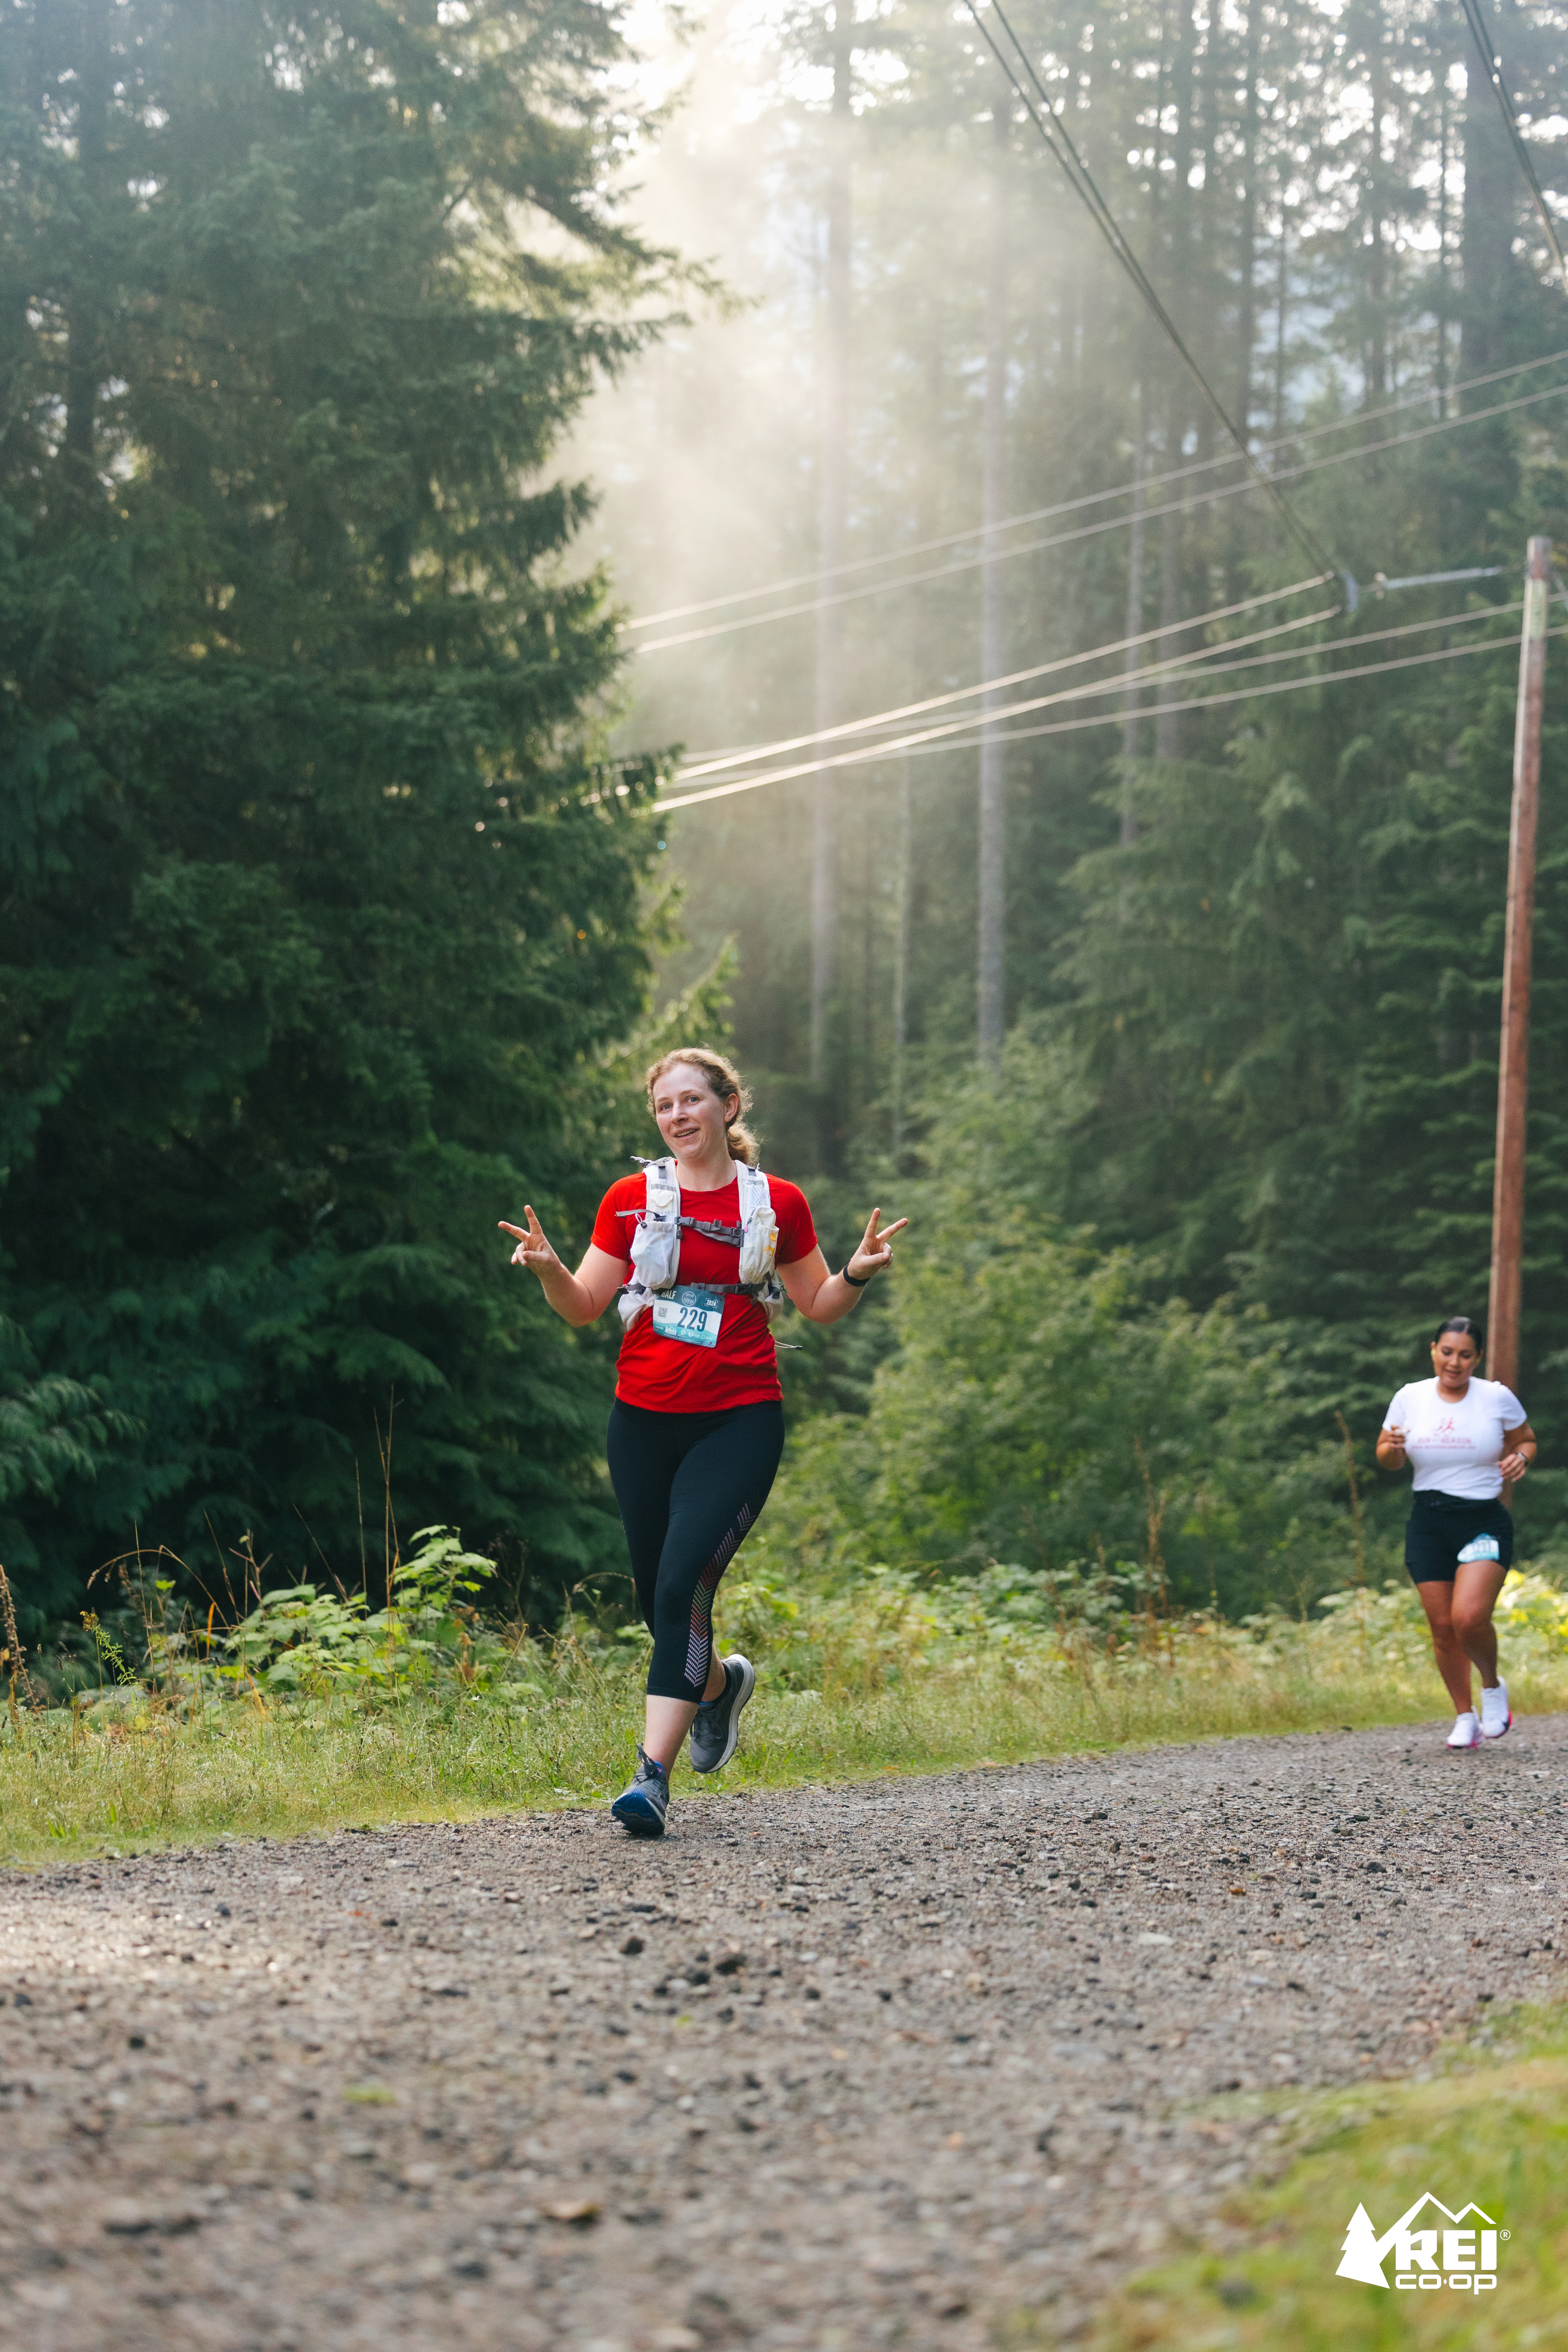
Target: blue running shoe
641, 1808
716, 1726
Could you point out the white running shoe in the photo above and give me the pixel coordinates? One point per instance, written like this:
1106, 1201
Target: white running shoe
1496, 1717
1467, 1731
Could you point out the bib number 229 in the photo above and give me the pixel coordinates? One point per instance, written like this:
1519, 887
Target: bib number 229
692, 1317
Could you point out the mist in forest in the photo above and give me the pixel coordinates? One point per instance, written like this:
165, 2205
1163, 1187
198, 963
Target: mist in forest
928, 337
1160, 980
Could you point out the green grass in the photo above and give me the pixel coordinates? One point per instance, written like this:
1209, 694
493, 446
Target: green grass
166, 1775
1495, 2133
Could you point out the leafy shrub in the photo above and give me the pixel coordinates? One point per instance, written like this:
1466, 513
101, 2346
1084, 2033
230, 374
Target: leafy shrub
1043, 1405
302, 1639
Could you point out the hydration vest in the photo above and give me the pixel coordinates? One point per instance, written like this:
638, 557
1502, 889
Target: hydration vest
656, 1241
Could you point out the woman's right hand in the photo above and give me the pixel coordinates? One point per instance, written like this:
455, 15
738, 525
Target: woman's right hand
532, 1249
1391, 1449
579, 1298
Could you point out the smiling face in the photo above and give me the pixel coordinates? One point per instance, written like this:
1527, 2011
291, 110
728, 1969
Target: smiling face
689, 1116
1454, 1360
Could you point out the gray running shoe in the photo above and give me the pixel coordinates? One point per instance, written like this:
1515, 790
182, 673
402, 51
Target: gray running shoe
716, 1726
641, 1807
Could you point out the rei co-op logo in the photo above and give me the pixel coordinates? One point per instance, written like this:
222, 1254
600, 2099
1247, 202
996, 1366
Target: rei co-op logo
1459, 2256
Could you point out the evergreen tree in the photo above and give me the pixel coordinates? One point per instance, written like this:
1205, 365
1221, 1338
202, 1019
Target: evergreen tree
1286, 1002
317, 906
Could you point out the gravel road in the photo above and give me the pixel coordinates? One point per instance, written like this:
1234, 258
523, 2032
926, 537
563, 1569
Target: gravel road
927, 2062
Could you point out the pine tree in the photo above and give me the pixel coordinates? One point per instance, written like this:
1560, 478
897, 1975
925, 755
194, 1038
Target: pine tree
316, 910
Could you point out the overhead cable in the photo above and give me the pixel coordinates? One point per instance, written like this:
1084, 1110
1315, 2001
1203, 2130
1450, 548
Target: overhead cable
1113, 523
1493, 65
1092, 498
708, 763
1053, 129
1179, 663
931, 735
1248, 693
1183, 665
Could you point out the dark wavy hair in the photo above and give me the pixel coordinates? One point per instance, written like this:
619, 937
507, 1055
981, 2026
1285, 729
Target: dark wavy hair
1462, 1323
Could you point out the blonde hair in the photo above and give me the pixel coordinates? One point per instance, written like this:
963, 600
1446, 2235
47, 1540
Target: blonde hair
725, 1080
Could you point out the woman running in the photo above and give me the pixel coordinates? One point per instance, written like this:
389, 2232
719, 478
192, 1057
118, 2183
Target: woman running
1468, 1440
698, 1248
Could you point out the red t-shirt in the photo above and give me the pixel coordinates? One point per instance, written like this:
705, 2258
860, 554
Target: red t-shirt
667, 1375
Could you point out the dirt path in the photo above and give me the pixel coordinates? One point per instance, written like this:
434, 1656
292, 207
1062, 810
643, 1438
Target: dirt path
898, 2063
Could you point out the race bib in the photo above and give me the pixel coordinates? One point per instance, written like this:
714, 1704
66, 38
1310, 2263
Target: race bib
1481, 1548
693, 1316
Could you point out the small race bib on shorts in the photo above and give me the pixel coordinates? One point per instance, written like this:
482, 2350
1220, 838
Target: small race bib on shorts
692, 1315
1481, 1548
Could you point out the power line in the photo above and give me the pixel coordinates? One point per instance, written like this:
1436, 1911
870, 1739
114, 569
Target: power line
1179, 663
1493, 65
904, 745
707, 763
1114, 523
1093, 497
1053, 129
1156, 711
1249, 693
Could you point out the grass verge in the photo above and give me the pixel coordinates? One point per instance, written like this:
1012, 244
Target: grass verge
74, 1785
1494, 2133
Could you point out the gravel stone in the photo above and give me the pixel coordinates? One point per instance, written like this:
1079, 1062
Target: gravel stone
877, 2075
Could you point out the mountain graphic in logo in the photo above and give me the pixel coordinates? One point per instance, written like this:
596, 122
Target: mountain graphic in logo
1364, 2252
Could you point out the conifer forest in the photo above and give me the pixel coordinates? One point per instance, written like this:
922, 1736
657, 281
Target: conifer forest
534, 532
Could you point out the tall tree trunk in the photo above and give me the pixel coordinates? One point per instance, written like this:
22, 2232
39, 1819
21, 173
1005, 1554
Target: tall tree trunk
1178, 294
1281, 317
1377, 256
1246, 273
1444, 298
1207, 272
1487, 226
904, 885
993, 889
83, 308
833, 476
1246, 229
1134, 656
1167, 726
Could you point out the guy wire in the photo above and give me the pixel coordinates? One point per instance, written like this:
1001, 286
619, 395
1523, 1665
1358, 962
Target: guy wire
1493, 63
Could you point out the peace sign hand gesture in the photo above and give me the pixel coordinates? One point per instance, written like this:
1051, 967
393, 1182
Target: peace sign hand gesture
876, 1248
532, 1250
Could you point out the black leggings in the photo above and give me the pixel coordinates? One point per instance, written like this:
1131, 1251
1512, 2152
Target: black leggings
688, 1485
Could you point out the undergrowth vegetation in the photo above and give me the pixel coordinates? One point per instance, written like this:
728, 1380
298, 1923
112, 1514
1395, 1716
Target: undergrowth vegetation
312, 1709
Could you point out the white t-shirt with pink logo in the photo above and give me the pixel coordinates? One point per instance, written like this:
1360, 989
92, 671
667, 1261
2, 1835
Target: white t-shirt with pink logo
1455, 1444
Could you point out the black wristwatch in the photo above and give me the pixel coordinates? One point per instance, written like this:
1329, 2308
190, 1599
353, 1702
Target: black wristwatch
855, 1281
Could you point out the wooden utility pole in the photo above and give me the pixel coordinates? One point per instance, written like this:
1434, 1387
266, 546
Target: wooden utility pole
1514, 1058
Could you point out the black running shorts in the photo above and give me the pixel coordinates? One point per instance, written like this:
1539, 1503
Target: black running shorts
1440, 1526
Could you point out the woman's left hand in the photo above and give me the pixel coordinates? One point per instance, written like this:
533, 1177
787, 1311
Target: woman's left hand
1514, 1467
876, 1248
